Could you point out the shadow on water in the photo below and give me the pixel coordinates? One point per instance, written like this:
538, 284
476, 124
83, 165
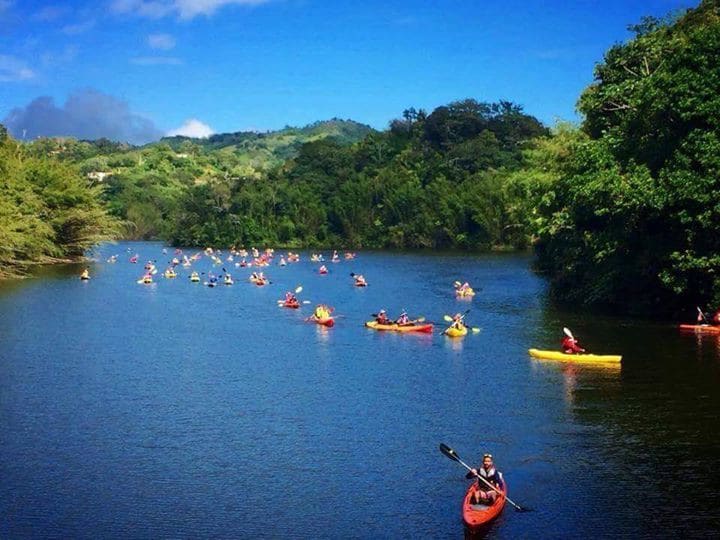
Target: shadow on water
652, 421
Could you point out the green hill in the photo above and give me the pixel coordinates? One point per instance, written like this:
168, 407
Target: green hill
262, 151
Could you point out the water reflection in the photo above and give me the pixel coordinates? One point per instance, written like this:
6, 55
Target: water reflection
454, 344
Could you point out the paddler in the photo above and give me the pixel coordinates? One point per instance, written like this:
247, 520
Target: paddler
483, 493
360, 280
290, 298
457, 321
403, 319
323, 269
85, 274
322, 312
382, 317
570, 345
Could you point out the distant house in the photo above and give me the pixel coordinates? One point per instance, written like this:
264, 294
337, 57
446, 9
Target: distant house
182, 155
98, 175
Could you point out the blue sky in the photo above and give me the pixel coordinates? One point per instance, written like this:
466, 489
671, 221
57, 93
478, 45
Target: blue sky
137, 69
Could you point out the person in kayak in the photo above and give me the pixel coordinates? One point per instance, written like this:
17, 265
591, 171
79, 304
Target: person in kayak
360, 280
570, 345
290, 298
483, 493
403, 319
462, 289
323, 269
382, 317
322, 312
457, 321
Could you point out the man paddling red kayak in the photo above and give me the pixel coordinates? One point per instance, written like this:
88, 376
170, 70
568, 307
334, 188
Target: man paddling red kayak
484, 493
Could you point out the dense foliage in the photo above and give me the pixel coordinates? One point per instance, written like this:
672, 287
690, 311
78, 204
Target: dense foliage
629, 215
48, 211
437, 180
433, 180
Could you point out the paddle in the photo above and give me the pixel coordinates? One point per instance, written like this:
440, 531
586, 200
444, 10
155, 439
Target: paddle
449, 452
702, 314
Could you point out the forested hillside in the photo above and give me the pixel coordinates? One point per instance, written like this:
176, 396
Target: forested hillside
48, 211
628, 208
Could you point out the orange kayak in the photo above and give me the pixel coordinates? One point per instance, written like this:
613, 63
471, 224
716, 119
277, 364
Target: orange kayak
700, 328
477, 516
329, 321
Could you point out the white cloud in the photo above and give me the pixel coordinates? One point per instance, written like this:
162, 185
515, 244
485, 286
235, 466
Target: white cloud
50, 13
156, 61
192, 128
185, 9
59, 56
13, 70
78, 28
163, 42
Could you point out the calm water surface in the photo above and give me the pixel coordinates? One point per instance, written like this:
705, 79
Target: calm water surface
179, 411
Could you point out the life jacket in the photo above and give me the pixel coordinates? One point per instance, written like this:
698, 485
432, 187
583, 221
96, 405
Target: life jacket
492, 476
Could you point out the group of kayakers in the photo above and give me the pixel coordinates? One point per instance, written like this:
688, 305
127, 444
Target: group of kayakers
403, 319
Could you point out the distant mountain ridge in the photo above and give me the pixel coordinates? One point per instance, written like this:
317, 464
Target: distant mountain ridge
342, 131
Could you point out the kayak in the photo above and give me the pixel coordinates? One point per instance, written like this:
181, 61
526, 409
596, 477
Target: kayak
291, 305
700, 328
360, 284
424, 328
170, 275
464, 293
260, 282
476, 516
581, 358
456, 332
195, 279
329, 321
228, 281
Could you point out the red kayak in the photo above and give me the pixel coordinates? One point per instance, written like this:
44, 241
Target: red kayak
700, 328
329, 321
476, 516
291, 305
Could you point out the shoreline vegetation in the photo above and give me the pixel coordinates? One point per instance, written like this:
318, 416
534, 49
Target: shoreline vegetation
621, 211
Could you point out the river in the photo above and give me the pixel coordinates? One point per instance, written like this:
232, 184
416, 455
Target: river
174, 410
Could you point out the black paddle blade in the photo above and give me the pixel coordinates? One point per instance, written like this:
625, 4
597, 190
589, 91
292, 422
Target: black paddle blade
449, 452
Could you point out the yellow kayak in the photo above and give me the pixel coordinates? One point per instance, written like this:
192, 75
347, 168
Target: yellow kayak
580, 358
456, 332
465, 292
